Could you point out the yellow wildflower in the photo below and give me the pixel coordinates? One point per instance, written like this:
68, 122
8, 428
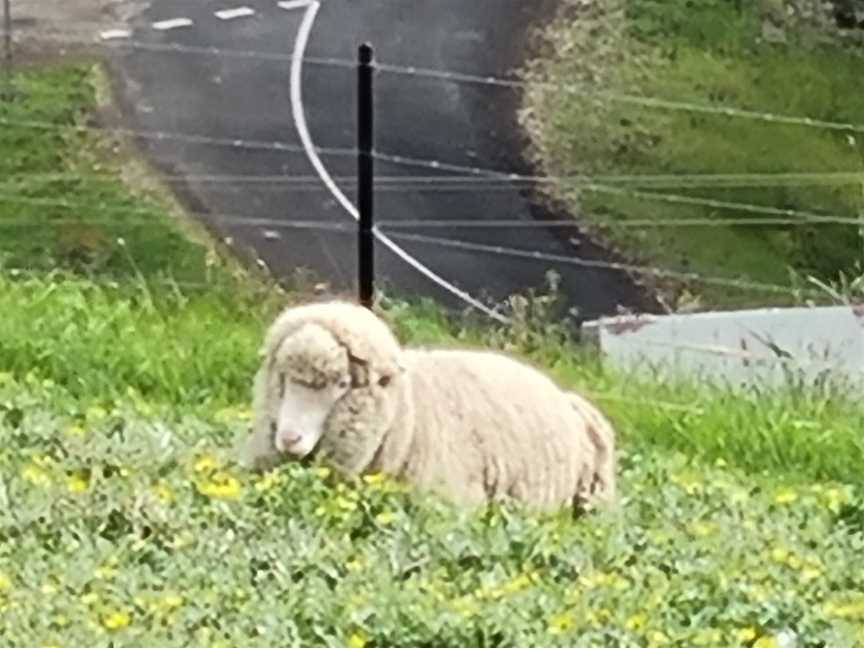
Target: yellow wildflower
354, 565
322, 472
221, 485
375, 478
205, 462
834, 498
171, 601
345, 503
560, 623
5, 582
785, 496
35, 475
746, 635
116, 620
357, 640
268, 481
766, 642
636, 622
780, 555
164, 492
76, 484
657, 638
229, 414
852, 609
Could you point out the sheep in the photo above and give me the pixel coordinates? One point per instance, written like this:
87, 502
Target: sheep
473, 425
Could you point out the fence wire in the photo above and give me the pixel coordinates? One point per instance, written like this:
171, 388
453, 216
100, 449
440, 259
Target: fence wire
454, 76
536, 255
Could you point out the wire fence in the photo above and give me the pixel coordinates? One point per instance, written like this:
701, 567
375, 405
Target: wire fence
452, 177
453, 76
496, 180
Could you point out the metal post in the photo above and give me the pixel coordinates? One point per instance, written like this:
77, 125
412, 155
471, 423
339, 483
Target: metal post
7, 50
365, 177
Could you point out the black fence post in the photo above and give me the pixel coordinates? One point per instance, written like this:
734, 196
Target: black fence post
365, 177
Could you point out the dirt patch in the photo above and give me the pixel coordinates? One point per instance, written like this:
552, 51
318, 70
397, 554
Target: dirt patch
48, 30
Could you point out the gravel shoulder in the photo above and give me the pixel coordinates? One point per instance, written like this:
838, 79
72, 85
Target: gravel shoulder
50, 30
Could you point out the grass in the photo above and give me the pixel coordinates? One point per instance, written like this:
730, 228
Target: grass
710, 55
125, 520
61, 205
198, 351
127, 528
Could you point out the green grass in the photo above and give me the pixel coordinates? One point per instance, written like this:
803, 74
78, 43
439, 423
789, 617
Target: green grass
704, 54
128, 528
61, 205
125, 520
198, 351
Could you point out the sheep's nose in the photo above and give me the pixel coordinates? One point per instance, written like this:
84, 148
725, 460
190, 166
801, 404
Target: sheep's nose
287, 438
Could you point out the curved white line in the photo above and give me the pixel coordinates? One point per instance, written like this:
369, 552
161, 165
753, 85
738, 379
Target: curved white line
300, 124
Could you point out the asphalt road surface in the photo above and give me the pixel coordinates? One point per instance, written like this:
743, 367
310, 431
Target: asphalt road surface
273, 133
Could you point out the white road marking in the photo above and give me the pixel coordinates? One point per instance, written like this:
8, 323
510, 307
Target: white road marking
271, 235
231, 14
111, 34
173, 23
299, 114
296, 4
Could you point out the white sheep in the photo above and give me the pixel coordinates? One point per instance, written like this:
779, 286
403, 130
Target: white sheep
472, 425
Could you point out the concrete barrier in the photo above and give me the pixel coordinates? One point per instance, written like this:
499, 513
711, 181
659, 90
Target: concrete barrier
763, 347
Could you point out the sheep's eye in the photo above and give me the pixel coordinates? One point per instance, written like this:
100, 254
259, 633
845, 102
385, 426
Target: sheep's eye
281, 384
343, 384
383, 381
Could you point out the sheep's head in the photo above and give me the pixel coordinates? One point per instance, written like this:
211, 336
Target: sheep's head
307, 374
319, 393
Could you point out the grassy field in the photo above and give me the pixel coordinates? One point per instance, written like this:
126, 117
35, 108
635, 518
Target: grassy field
700, 59
61, 206
125, 520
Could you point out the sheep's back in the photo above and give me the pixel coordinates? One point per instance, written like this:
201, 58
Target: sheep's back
487, 425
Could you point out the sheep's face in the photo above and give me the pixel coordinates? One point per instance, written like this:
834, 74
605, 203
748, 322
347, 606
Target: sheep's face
308, 375
359, 421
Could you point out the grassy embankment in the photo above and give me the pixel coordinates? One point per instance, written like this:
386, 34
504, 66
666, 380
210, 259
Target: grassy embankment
124, 520
705, 54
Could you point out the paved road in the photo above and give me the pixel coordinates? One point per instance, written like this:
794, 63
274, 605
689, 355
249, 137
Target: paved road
245, 102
